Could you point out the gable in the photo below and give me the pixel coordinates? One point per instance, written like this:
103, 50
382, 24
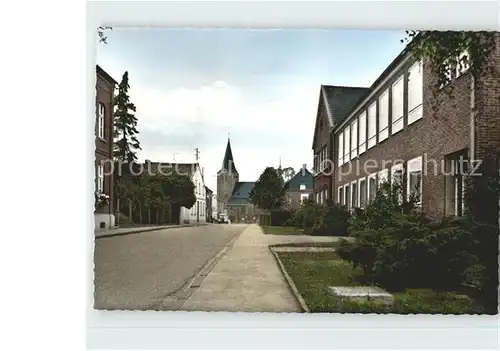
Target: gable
302, 177
322, 119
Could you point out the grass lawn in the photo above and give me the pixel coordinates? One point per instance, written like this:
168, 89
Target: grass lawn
314, 272
278, 230
316, 244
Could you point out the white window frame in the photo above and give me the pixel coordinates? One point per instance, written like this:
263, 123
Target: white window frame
303, 197
339, 198
372, 125
302, 187
362, 133
325, 195
369, 190
341, 148
101, 114
355, 197
397, 110
395, 168
383, 116
347, 143
362, 180
354, 139
414, 165
347, 195
415, 85
100, 178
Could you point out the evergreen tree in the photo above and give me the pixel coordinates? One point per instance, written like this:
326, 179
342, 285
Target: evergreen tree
125, 125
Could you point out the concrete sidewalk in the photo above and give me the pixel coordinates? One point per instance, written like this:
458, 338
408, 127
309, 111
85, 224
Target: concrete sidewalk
247, 278
133, 230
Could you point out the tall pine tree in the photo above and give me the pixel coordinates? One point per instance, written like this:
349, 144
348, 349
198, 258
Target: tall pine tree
125, 125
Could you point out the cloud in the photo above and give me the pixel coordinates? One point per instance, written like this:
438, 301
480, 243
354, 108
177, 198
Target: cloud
262, 131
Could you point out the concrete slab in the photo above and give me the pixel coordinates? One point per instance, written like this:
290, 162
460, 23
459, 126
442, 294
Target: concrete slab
362, 293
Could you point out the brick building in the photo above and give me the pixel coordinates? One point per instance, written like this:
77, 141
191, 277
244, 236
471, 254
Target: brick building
105, 90
400, 131
299, 188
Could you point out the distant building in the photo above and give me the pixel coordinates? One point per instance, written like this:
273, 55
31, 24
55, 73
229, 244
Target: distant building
299, 188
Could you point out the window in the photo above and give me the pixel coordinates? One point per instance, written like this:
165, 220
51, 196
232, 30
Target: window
462, 67
317, 198
303, 197
354, 139
415, 93
362, 193
372, 187
383, 176
414, 184
100, 120
302, 187
100, 178
397, 178
459, 172
347, 193
341, 149
383, 116
397, 105
354, 194
347, 144
340, 196
325, 195
372, 125
362, 133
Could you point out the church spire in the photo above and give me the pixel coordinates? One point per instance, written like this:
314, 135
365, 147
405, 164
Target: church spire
228, 162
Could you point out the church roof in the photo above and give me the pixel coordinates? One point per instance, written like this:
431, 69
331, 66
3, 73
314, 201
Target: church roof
228, 162
241, 191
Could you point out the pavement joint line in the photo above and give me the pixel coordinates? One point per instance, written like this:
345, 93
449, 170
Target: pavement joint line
290, 283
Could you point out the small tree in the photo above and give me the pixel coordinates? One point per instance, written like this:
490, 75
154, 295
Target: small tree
101, 33
269, 190
125, 125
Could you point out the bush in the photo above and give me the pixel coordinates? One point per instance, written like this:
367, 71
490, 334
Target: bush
333, 220
281, 217
398, 248
306, 216
429, 301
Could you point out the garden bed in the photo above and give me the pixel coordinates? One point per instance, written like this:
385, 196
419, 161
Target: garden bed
314, 272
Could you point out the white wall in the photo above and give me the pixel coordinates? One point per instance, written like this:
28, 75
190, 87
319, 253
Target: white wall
107, 218
196, 214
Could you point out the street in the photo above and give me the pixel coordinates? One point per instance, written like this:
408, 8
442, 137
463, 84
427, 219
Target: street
138, 271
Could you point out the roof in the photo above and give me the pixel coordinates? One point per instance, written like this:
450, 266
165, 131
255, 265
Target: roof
208, 190
302, 177
228, 160
105, 74
338, 101
242, 191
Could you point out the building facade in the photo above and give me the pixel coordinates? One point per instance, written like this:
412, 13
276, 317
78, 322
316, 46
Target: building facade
334, 103
399, 131
105, 90
209, 198
299, 189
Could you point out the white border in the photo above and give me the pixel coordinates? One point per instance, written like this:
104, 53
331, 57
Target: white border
224, 330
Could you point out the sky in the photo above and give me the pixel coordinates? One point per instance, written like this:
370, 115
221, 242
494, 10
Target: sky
195, 87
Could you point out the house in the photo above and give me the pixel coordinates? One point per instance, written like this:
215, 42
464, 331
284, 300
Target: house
209, 198
197, 213
105, 91
233, 196
299, 188
399, 131
334, 103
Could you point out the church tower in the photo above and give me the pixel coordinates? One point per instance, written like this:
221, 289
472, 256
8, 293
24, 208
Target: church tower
227, 177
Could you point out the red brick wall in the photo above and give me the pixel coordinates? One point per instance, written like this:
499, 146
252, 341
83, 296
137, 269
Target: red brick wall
438, 133
322, 139
104, 147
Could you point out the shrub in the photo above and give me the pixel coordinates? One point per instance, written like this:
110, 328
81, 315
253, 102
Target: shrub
429, 301
281, 217
306, 216
333, 220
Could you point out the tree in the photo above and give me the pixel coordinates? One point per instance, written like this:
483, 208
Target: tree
446, 50
287, 173
179, 190
101, 32
269, 190
125, 125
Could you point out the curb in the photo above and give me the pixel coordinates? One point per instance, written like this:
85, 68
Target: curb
103, 235
290, 283
184, 293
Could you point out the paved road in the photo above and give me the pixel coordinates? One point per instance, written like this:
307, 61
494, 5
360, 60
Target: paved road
138, 271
